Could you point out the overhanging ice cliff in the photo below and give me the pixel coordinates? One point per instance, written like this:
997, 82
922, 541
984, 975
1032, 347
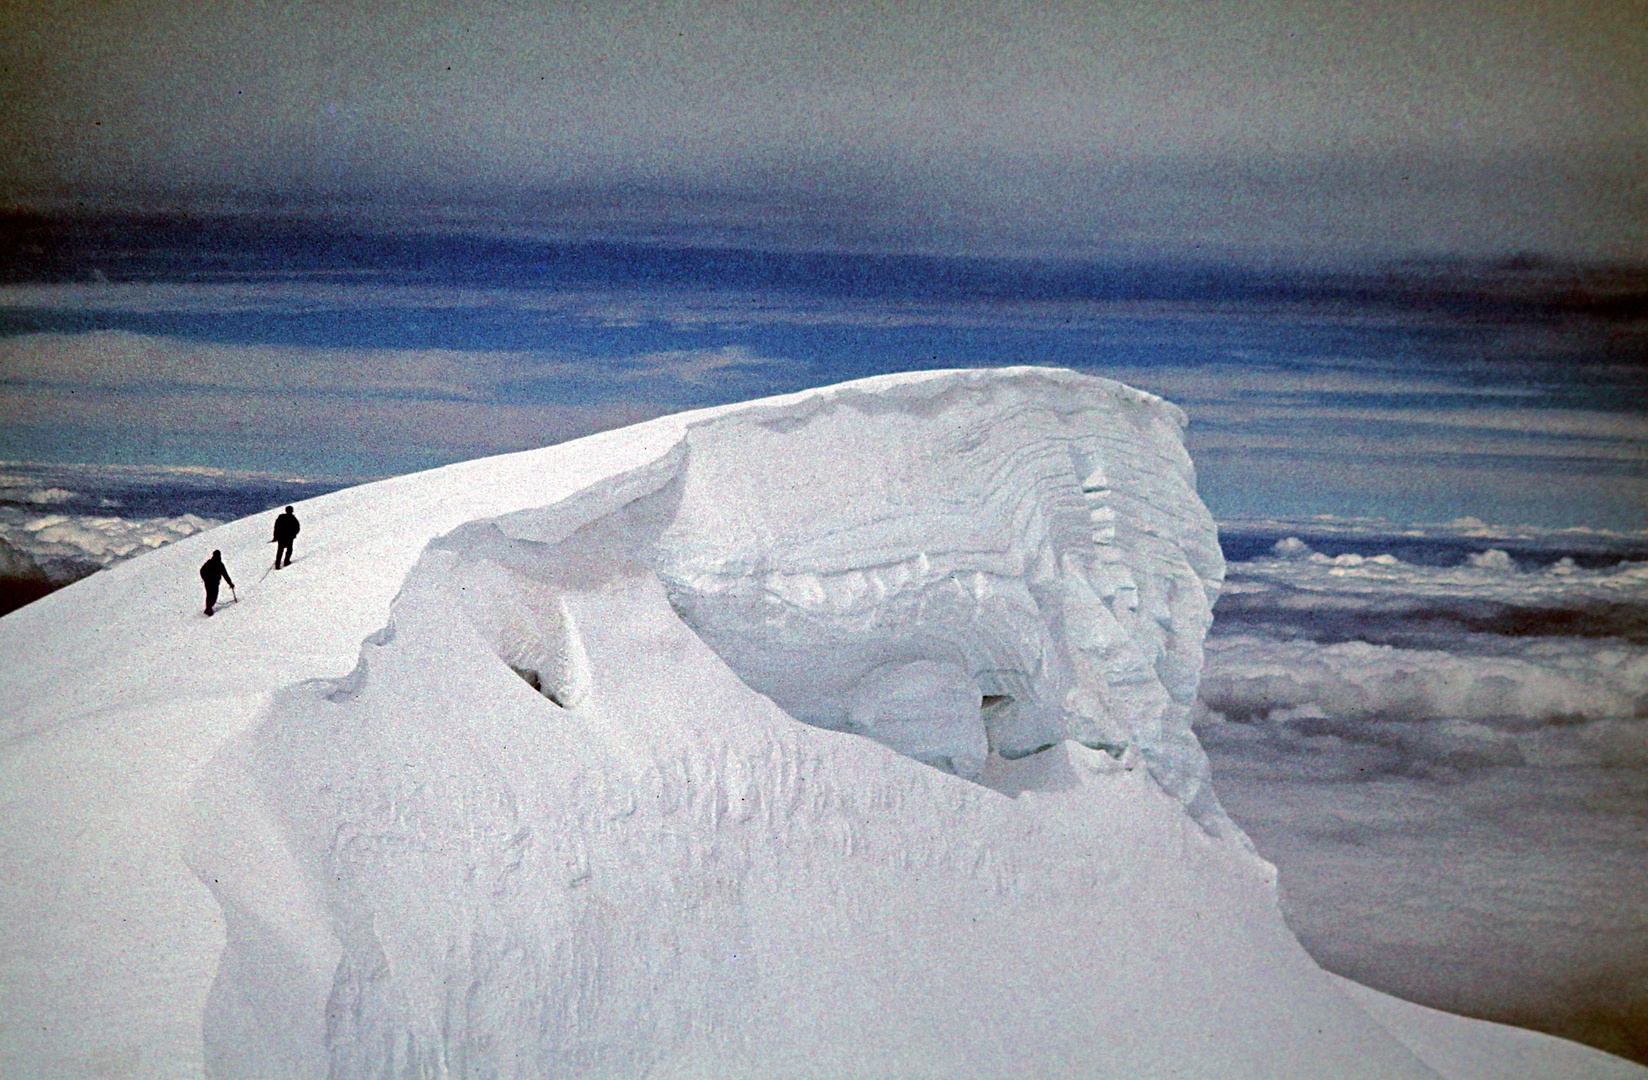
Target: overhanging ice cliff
844, 734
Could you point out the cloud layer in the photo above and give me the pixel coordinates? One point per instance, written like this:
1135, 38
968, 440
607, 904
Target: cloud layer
346, 411
1446, 754
1401, 667
1426, 396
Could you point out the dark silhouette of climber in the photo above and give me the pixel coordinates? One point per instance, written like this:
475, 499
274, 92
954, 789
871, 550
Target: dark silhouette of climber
286, 530
213, 571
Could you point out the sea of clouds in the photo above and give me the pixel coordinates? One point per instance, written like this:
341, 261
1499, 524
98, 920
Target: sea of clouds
1369, 661
1440, 736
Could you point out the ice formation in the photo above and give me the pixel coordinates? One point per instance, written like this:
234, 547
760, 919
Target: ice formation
950, 571
838, 735
959, 570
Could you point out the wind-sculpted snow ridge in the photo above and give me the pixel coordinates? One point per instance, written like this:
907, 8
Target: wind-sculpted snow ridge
955, 573
562, 819
949, 570
844, 737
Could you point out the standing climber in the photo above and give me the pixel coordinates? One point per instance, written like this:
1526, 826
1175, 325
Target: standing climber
286, 530
213, 571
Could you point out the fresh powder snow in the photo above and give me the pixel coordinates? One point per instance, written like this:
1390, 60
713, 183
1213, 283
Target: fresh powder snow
840, 734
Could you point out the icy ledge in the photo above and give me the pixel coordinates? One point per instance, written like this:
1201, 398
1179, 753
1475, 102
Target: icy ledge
848, 737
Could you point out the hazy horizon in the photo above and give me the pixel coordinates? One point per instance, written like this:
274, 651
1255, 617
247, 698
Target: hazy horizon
1391, 261
1510, 389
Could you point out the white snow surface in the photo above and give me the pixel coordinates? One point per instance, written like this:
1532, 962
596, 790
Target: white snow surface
842, 734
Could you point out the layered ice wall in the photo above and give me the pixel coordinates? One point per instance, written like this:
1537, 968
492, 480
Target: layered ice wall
598, 801
952, 570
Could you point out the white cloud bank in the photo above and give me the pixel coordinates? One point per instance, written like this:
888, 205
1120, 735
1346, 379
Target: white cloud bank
1383, 661
1550, 703
64, 547
101, 540
1448, 764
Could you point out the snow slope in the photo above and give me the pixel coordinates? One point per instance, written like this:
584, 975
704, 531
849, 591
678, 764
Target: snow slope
844, 734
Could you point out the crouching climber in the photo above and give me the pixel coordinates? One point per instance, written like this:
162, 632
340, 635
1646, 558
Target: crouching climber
212, 571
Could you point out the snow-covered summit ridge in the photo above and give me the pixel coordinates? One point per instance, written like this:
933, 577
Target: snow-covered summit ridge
640, 864
561, 818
